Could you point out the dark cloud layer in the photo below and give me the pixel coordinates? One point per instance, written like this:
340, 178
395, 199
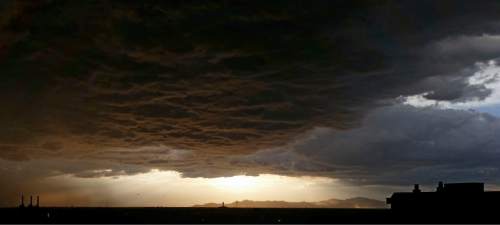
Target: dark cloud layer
193, 85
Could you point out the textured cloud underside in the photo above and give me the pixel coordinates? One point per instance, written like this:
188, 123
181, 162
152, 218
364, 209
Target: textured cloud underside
191, 86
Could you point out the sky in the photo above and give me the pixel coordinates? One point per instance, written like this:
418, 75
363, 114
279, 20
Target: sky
176, 103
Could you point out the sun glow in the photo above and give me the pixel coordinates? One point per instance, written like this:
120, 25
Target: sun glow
169, 188
236, 183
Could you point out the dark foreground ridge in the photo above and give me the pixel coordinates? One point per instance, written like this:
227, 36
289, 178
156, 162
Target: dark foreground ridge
450, 203
233, 215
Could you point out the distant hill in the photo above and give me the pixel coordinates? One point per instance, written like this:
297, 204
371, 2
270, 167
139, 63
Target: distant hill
358, 202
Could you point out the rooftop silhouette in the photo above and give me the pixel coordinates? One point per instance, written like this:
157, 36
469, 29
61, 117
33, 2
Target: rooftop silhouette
447, 197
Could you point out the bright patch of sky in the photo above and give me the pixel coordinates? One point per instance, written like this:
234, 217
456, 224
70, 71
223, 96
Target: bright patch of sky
169, 188
487, 75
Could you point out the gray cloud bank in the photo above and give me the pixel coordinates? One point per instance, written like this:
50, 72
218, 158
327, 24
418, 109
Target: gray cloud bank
396, 145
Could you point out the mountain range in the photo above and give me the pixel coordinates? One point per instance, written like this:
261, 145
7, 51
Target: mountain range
358, 202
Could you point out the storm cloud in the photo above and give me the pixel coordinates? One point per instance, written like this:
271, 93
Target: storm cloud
219, 88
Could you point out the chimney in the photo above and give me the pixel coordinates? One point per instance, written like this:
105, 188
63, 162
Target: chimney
37, 201
440, 187
416, 189
31, 201
22, 201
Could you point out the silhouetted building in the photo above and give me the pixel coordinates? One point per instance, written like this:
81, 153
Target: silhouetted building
31, 202
450, 196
